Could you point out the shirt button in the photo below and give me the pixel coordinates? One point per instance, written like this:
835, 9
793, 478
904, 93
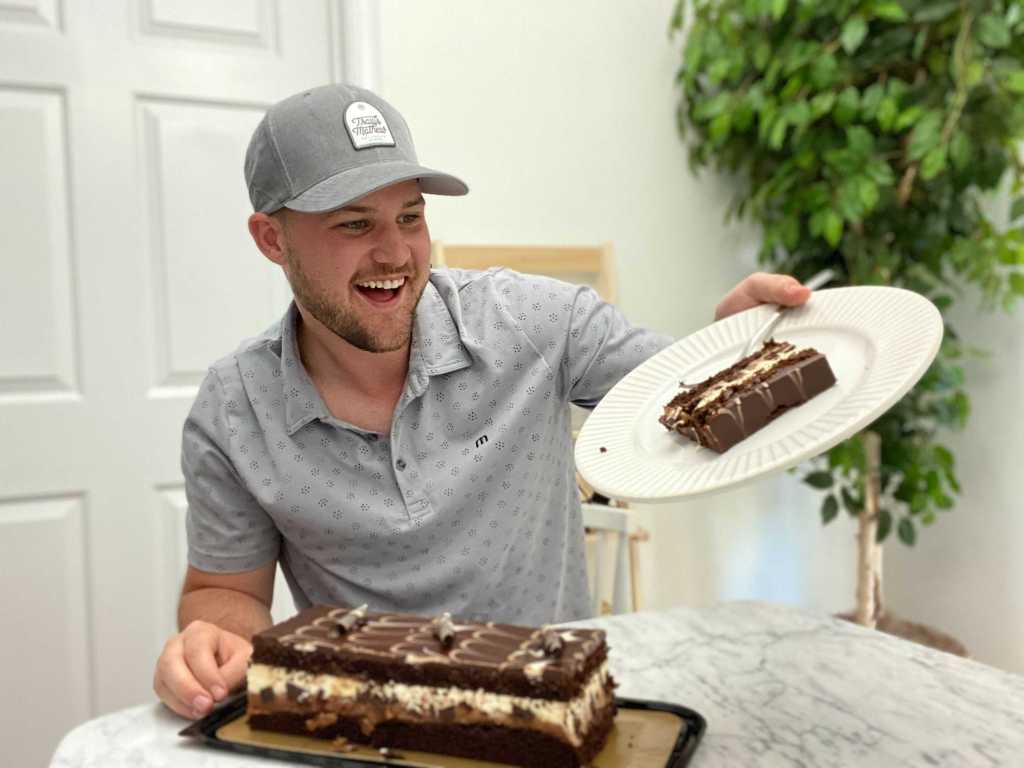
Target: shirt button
400, 465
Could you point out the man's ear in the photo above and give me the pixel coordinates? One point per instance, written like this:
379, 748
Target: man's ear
268, 234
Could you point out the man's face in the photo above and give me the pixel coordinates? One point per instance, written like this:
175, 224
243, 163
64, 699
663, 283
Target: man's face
360, 270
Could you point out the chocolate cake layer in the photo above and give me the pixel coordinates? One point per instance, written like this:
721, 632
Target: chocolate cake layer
482, 742
733, 404
503, 658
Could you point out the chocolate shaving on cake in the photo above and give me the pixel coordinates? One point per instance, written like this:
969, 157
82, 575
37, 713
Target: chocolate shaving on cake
346, 623
444, 630
341, 744
552, 642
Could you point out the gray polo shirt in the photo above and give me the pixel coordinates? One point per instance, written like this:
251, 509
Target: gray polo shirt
468, 505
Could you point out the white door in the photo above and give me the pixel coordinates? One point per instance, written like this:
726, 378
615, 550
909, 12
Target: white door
127, 269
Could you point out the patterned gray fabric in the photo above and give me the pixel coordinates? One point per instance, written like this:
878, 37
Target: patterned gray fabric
469, 505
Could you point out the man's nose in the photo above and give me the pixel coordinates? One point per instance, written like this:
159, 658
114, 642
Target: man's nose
390, 245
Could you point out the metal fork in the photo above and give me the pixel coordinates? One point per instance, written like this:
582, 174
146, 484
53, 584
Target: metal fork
761, 334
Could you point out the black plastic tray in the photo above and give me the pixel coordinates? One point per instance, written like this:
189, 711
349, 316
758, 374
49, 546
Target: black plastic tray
691, 731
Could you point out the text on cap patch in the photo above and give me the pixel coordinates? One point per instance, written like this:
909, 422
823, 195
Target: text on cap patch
367, 126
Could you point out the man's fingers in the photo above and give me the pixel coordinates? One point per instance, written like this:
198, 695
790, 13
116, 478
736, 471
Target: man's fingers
176, 685
200, 643
762, 288
234, 659
172, 702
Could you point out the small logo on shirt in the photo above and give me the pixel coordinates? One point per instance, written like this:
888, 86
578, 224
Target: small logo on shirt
367, 126
481, 440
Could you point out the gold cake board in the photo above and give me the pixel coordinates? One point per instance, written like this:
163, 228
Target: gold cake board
640, 738
645, 734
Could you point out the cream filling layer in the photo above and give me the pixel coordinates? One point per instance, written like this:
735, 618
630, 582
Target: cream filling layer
752, 370
573, 717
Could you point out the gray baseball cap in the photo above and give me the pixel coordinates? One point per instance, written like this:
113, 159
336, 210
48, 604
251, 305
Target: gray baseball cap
327, 147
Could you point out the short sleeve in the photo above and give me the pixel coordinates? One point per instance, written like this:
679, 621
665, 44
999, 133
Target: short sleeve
228, 530
577, 332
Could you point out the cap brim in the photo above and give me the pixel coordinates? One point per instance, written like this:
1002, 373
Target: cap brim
348, 186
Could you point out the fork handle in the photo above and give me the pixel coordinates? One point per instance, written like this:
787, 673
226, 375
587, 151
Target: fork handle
762, 333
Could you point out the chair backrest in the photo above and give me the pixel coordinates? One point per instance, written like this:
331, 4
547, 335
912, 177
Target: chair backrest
591, 265
611, 546
608, 571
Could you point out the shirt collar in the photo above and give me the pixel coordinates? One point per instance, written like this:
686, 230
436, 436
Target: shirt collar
437, 346
302, 401
436, 349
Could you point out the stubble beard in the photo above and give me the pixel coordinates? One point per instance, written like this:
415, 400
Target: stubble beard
343, 321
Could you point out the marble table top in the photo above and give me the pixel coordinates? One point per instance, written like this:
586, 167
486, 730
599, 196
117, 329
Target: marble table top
778, 687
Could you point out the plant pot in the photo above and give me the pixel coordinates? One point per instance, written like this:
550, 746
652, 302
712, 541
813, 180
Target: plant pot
916, 633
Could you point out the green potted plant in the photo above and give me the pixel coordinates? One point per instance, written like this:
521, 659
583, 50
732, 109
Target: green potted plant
867, 136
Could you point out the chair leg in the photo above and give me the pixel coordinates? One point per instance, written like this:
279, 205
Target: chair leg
635, 538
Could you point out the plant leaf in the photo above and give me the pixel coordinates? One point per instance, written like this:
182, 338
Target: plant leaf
833, 228
960, 149
829, 509
884, 525
1015, 81
868, 192
907, 532
936, 11
992, 31
853, 34
820, 480
846, 106
925, 135
934, 163
890, 10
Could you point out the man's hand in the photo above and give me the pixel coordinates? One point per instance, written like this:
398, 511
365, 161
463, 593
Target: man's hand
762, 288
199, 666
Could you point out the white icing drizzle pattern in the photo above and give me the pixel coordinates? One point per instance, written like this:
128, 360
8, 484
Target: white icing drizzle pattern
415, 639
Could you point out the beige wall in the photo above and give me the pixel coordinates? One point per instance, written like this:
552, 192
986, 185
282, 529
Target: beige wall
560, 115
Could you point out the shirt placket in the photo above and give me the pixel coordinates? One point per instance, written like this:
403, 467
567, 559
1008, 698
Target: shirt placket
408, 476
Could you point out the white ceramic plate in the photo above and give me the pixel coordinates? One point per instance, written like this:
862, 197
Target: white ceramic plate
878, 340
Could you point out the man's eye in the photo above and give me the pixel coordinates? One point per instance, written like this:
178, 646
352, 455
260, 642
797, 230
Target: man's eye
357, 225
410, 218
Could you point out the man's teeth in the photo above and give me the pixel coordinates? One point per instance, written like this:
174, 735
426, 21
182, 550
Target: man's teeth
382, 283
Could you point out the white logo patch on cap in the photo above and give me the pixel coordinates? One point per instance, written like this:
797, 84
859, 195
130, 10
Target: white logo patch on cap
367, 126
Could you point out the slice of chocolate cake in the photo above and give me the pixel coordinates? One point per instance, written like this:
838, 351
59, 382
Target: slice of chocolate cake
498, 692
734, 403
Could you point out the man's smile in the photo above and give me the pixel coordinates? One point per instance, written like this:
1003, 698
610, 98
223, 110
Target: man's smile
382, 293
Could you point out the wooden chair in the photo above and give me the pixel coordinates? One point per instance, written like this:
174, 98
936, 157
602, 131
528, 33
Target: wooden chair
612, 542
588, 265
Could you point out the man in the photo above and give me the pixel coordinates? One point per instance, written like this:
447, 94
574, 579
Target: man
401, 438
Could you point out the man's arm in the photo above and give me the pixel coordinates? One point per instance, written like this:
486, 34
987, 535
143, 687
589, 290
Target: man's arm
593, 342
237, 602
218, 614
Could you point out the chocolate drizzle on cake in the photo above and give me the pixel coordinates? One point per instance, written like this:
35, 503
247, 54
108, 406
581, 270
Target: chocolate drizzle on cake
734, 403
